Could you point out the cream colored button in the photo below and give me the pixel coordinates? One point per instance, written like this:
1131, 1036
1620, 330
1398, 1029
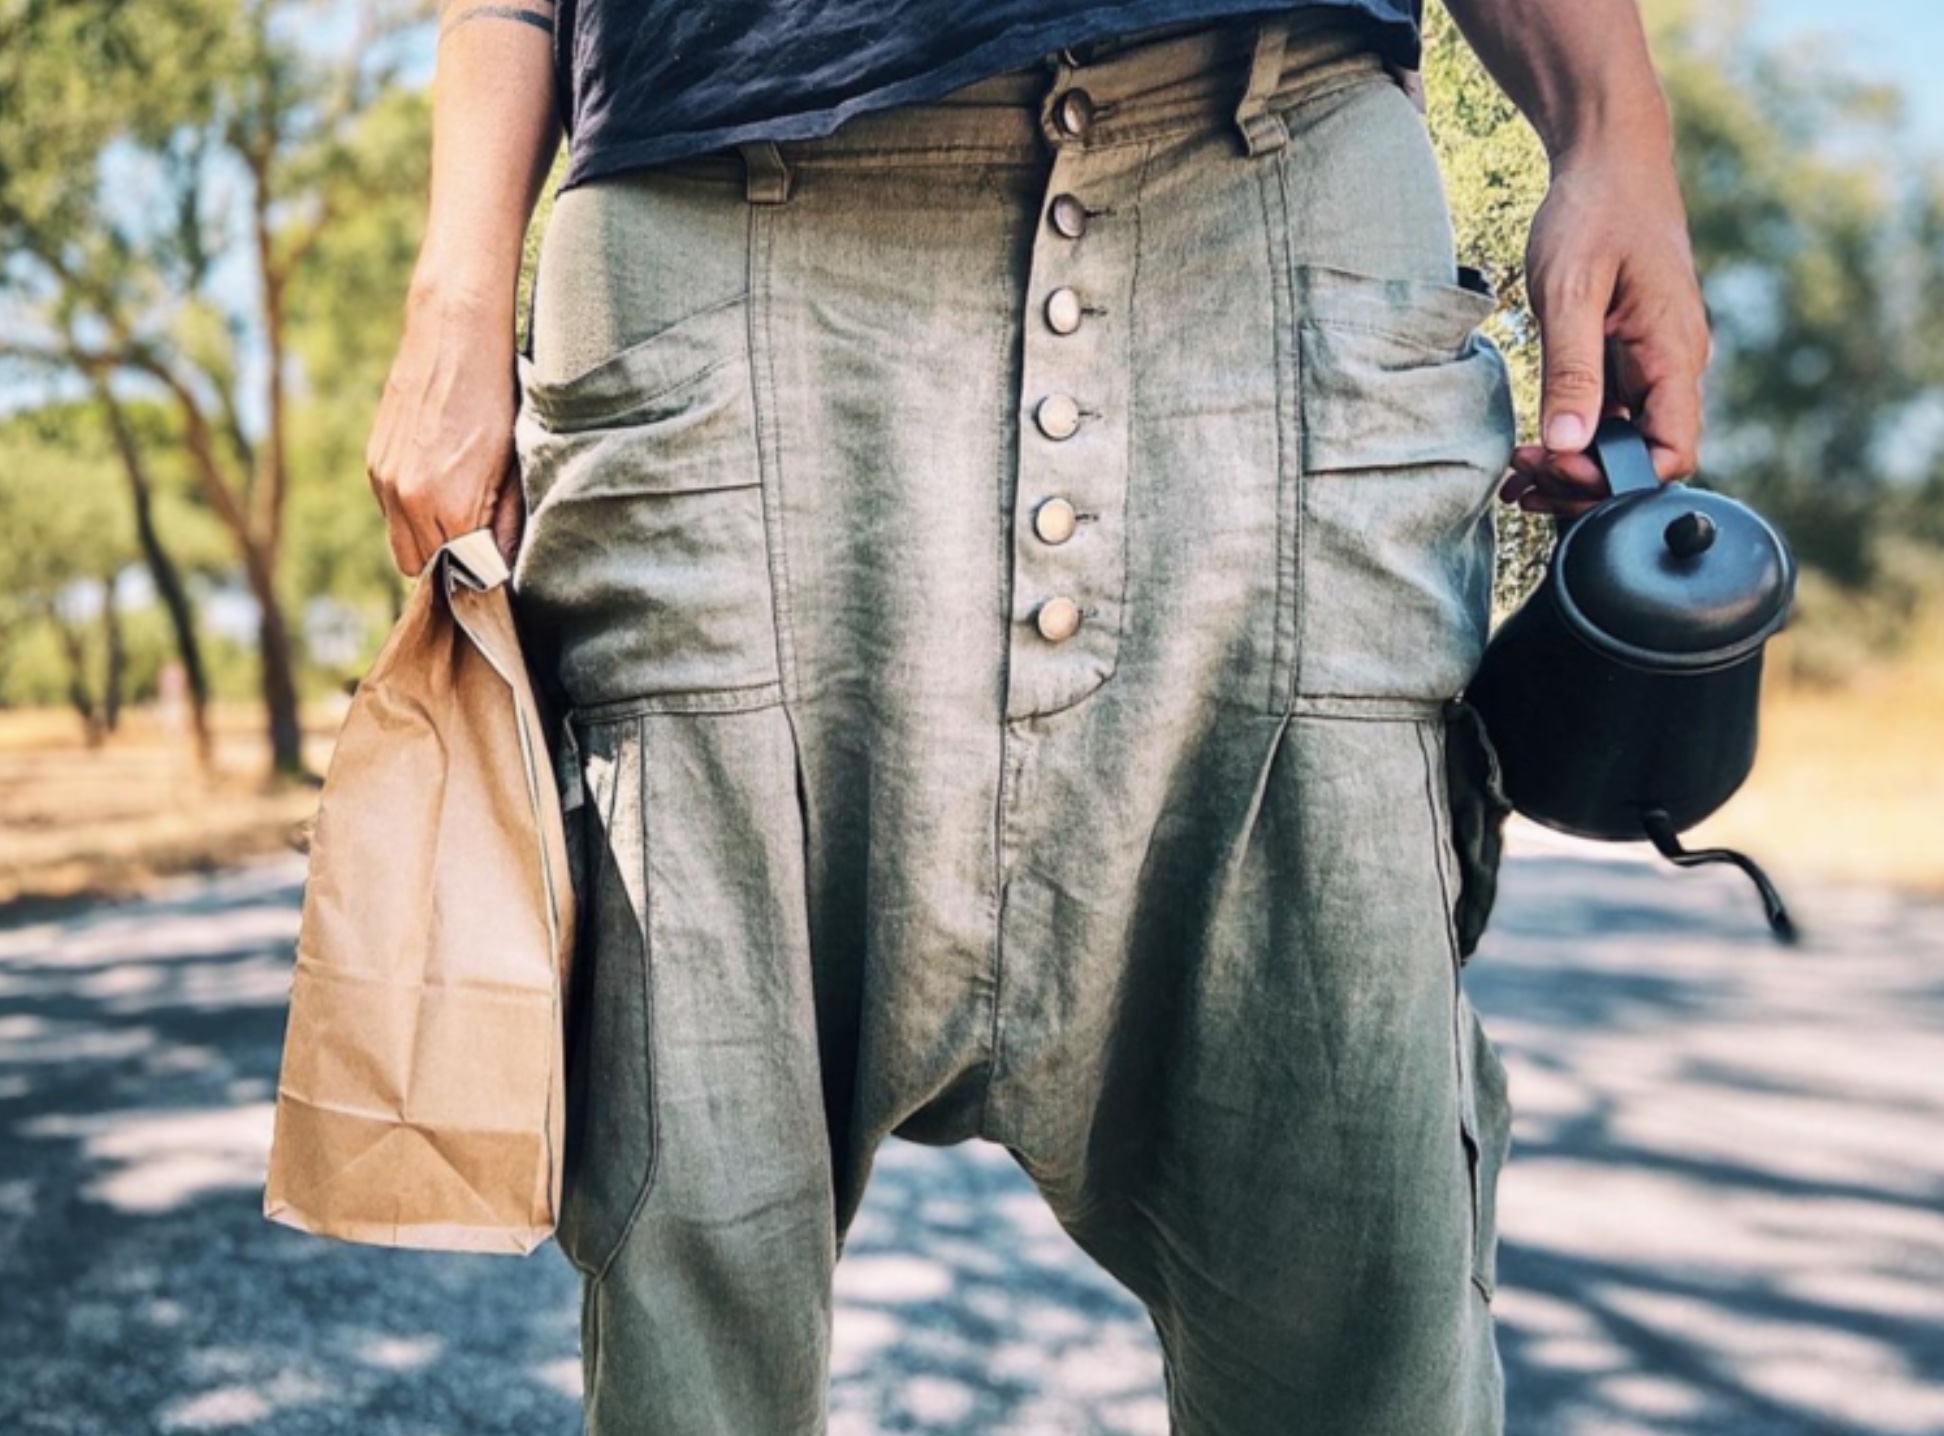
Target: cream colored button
1054, 521
1074, 112
1058, 415
1057, 619
1063, 311
1069, 215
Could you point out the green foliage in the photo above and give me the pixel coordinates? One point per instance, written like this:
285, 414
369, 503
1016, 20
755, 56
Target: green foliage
1819, 231
346, 319
68, 537
1495, 176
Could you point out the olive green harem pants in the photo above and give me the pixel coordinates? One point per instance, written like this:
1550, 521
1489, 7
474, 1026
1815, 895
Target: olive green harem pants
1011, 565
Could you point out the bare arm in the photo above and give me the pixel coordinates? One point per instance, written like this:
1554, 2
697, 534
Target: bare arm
440, 457
1609, 265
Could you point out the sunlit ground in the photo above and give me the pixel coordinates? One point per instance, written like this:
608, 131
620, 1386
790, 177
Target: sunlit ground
1724, 1214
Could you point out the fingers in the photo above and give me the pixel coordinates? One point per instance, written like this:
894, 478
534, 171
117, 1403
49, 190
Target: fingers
1543, 482
439, 460
509, 517
1572, 312
407, 552
1665, 369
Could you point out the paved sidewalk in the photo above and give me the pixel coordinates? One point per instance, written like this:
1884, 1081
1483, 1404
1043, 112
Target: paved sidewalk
1724, 1214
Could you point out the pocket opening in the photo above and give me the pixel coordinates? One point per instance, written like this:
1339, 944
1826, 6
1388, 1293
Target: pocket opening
1479, 809
646, 558
612, 1146
1406, 425
1487, 1133
617, 390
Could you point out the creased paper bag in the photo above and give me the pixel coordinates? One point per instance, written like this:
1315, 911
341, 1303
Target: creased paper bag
420, 1101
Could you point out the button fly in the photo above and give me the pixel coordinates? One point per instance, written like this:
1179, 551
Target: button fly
1057, 619
1069, 215
1057, 415
1055, 520
1063, 311
1074, 112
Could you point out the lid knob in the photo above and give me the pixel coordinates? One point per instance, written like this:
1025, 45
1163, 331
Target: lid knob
1631, 580
1691, 534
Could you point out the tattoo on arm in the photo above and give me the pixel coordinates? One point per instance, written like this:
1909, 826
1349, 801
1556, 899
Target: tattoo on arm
540, 19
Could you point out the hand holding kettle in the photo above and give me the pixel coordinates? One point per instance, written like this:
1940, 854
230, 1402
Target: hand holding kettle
1622, 695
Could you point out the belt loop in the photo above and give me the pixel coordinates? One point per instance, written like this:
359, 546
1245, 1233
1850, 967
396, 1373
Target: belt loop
766, 173
1263, 130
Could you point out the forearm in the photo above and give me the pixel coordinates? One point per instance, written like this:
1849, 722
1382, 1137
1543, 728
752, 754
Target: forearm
494, 133
1579, 70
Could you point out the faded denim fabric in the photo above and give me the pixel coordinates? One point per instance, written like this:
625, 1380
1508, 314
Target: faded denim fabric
1173, 905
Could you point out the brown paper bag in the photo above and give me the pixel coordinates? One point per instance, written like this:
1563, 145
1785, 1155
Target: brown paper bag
421, 1098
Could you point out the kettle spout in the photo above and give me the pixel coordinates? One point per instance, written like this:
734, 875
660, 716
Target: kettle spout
1660, 830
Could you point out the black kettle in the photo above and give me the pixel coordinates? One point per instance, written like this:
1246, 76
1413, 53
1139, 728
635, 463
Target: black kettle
1622, 694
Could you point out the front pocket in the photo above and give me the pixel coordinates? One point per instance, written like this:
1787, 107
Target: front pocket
1407, 426
1488, 1141
608, 1156
645, 565
1478, 809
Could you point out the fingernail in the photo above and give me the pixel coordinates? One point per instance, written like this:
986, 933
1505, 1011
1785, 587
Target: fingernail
1565, 431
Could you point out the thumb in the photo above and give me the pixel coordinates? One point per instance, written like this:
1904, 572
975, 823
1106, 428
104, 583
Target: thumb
1572, 338
509, 518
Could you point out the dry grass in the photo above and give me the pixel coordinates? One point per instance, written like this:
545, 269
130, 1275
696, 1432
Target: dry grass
1849, 782
1849, 786
76, 821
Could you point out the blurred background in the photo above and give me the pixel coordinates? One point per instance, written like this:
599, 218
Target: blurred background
1725, 1210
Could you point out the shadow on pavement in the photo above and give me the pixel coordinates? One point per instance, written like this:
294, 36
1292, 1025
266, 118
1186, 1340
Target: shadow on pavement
1724, 1211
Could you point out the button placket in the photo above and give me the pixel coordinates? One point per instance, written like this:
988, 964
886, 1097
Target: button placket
1069, 556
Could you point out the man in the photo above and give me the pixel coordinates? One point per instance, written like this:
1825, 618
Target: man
1003, 493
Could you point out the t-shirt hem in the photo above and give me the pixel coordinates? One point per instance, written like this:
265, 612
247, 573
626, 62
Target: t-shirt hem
1400, 40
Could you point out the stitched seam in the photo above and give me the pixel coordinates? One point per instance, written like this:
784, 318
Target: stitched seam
690, 700
1293, 99
1282, 306
648, 1001
1006, 776
768, 466
915, 154
645, 343
1007, 485
1469, 1139
1298, 463
596, 1334
1453, 354
1131, 369
598, 419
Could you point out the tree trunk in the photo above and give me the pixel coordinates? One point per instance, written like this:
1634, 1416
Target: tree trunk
279, 670
115, 666
80, 693
169, 586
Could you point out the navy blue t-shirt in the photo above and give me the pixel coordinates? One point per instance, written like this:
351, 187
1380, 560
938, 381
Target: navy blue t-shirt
643, 81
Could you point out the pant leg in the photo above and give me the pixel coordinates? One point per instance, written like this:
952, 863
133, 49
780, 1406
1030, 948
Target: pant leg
1233, 1045
697, 1204
1271, 1147
885, 853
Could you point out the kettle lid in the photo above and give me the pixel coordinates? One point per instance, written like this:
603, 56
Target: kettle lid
1666, 577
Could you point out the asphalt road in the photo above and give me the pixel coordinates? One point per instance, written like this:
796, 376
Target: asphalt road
1724, 1214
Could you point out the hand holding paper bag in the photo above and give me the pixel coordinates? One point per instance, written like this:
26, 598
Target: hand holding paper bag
421, 1098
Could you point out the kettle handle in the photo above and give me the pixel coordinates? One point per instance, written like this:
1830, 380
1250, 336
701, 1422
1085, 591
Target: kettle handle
1622, 454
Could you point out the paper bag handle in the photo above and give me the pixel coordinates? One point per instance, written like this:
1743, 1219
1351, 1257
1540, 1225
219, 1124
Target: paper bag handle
476, 561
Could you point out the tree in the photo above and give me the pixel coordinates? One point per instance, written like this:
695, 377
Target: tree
1819, 232
68, 541
235, 127
1819, 237
1495, 176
